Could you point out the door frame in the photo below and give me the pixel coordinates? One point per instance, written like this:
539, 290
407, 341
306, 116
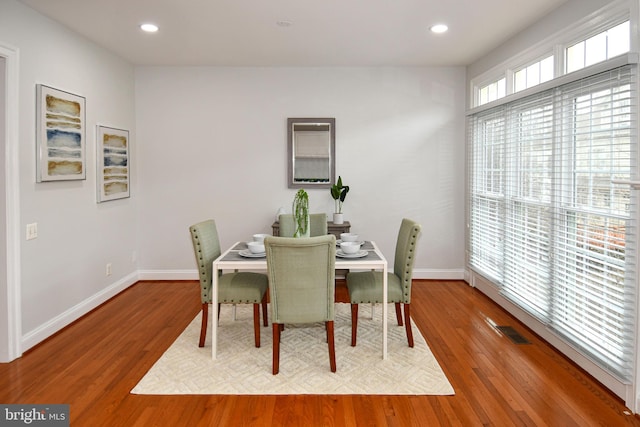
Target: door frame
13, 320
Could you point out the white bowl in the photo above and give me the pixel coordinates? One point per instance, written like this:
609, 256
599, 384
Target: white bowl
350, 247
259, 237
348, 237
256, 247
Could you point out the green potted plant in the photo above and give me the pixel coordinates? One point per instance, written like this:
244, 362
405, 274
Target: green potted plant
339, 193
301, 214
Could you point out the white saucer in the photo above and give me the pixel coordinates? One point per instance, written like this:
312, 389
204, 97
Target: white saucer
248, 254
359, 254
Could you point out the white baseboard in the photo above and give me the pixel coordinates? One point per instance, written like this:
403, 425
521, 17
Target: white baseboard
430, 274
433, 274
49, 328
168, 275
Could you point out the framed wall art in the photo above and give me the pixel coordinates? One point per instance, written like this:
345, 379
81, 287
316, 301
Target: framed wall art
112, 164
60, 135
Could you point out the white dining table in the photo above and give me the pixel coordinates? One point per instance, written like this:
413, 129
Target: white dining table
232, 260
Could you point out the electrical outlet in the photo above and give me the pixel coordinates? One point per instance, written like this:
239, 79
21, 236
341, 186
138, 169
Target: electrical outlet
134, 256
108, 271
32, 231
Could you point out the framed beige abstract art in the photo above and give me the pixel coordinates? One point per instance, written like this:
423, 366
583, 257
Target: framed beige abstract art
112, 163
60, 135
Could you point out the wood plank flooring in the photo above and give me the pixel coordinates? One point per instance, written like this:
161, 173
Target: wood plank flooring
95, 362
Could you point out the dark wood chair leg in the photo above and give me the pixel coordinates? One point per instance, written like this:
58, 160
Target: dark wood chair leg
399, 313
256, 323
407, 322
354, 324
276, 349
264, 312
219, 305
332, 347
205, 321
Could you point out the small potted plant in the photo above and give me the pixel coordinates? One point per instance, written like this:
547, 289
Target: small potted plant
301, 214
339, 193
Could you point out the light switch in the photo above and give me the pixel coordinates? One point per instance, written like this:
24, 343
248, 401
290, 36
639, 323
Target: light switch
32, 231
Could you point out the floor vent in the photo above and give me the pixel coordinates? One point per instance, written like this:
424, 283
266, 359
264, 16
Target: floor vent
513, 335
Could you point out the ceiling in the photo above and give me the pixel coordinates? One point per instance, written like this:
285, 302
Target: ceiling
322, 33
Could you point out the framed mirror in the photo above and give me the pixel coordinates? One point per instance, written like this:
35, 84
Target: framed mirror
311, 152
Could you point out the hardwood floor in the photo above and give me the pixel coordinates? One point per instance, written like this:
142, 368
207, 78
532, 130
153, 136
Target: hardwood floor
95, 362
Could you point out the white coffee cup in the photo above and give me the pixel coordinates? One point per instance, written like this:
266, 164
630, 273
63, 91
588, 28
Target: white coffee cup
350, 247
348, 237
256, 247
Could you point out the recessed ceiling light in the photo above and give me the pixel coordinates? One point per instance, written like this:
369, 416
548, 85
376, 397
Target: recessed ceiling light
439, 28
149, 28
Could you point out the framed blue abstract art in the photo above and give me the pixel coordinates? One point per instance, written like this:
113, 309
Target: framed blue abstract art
60, 135
112, 167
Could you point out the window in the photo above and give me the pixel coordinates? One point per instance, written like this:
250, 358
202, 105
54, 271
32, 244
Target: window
605, 45
597, 48
534, 74
493, 91
547, 225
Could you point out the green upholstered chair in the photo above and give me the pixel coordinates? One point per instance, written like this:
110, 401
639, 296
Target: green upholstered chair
301, 286
318, 223
233, 288
366, 286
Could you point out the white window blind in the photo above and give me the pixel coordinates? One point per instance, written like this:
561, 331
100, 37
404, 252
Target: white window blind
547, 225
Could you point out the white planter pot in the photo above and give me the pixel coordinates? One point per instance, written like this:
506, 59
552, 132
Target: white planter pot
338, 218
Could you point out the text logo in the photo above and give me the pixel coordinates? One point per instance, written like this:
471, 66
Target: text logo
34, 415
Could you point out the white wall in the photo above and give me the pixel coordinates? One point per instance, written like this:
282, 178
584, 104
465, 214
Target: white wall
212, 144
63, 270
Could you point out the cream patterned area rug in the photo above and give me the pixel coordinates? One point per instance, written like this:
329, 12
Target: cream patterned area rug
304, 360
